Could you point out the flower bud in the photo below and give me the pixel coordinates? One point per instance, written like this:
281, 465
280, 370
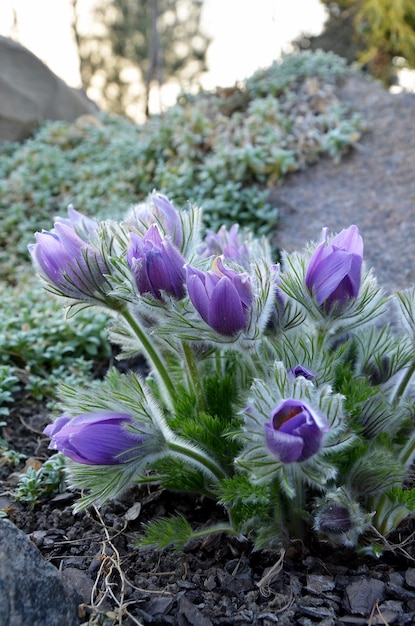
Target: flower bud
222, 297
295, 431
67, 260
95, 438
334, 519
84, 226
228, 243
167, 214
156, 264
160, 211
334, 272
276, 319
300, 370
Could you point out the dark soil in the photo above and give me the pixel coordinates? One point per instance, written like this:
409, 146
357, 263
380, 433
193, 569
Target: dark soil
218, 580
221, 581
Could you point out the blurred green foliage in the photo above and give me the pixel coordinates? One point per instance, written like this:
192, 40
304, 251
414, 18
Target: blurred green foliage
378, 34
220, 150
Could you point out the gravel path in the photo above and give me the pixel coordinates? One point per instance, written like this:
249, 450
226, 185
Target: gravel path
373, 187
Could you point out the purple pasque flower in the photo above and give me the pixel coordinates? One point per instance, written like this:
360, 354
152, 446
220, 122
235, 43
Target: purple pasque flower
228, 243
68, 262
221, 296
156, 264
334, 272
295, 431
158, 210
95, 438
300, 370
169, 217
84, 226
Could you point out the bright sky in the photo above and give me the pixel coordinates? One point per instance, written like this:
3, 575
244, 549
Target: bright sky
246, 34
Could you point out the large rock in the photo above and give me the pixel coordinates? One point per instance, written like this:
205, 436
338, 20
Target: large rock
32, 591
30, 93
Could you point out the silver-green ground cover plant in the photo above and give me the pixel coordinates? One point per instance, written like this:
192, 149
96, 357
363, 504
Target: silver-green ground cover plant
281, 392
222, 150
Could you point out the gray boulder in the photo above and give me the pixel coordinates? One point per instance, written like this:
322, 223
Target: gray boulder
32, 590
30, 93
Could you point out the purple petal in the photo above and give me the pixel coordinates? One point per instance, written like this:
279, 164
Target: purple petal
94, 438
292, 423
134, 249
211, 279
139, 268
154, 236
355, 275
165, 272
226, 242
349, 239
226, 313
175, 266
285, 411
334, 271
329, 274
287, 448
300, 370
241, 282
157, 265
157, 274
312, 436
50, 255
86, 226
69, 239
171, 218
197, 293
55, 427
319, 253
100, 444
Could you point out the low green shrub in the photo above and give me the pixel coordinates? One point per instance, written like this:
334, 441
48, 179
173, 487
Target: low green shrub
39, 348
218, 150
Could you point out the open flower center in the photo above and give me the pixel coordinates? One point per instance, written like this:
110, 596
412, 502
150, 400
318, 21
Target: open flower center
284, 415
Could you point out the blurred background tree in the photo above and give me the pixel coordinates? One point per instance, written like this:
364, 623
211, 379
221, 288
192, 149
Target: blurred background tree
133, 45
378, 34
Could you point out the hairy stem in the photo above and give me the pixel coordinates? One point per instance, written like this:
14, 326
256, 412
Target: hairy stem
153, 357
194, 375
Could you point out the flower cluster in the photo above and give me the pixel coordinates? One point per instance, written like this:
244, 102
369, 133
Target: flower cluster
280, 392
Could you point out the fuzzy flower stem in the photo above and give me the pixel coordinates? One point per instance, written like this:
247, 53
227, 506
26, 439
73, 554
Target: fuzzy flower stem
322, 334
219, 363
295, 520
198, 456
194, 375
404, 382
152, 356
